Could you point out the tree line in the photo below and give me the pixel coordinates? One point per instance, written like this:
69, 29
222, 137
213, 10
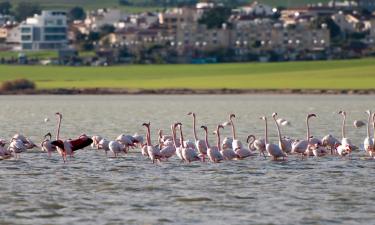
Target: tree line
23, 10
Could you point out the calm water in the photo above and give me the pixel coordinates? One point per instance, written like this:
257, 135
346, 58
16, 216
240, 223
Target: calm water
92, 189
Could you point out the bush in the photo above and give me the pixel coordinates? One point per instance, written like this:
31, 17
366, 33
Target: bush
16, 85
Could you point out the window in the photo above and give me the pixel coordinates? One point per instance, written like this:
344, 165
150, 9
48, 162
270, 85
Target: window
54, 37
26, 46
55, 30
26, 37
25, 30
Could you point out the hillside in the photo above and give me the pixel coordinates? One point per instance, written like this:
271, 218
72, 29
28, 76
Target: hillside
92, 4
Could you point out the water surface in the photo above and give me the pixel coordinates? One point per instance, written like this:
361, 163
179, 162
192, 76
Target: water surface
93, 189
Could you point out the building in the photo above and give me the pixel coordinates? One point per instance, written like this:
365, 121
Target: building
367, 4
45, 31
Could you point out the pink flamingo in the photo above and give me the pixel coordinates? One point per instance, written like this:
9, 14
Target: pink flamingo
152, 151
213, 152
189, 154
272, 149
68, 147
199, 144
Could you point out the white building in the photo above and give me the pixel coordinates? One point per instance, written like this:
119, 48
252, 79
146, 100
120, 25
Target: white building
98, 18
45, 31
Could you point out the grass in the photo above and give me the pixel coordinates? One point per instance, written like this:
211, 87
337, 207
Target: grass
39, 54
346, 74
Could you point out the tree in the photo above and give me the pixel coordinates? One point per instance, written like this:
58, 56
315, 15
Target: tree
216, 17
26, 9
77, 13
106, 29
5, 8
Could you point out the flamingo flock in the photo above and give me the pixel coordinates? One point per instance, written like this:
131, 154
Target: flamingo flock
200, 150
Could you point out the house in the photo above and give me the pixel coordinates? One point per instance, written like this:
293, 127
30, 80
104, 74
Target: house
257, 9
98, 18
45, 31
350, 23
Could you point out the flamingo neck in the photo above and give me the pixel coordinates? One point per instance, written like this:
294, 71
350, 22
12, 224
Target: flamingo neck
182, 138
218, 139
148, 136
266, 133
206, 137
308, 129
368, 125
58, 128
233, 129
174, 135
343, 126
250, 145
194, 128
278, 129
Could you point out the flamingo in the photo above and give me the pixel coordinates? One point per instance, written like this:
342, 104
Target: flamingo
152, 151
169, 150
272, 149
126, 140
300, 147
47, 146
199, 144
331, 142
4, 152
227, 142
188, 153
260, 145
368, 143
284, 144
16, 146
345, 142
243, 152
104, 144
177, 143
227, 153
116, 147
68, 147
213, 152
95, 141
236, 144
26, 141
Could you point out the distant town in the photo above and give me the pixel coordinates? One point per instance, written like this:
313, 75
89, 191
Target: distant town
207, 32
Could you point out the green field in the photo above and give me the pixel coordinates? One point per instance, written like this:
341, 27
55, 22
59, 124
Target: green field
40, 54
346, 74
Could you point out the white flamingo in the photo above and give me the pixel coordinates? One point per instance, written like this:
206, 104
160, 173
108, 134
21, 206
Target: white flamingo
176, 142
272, 149
368, 142
300, 147
188, 153
116, 147
199, 144
152, 151
213, 152
26, 141
284, 144
346, 143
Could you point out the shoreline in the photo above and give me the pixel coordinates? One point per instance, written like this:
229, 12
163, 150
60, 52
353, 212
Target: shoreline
186, 91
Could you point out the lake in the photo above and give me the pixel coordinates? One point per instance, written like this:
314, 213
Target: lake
93, 189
